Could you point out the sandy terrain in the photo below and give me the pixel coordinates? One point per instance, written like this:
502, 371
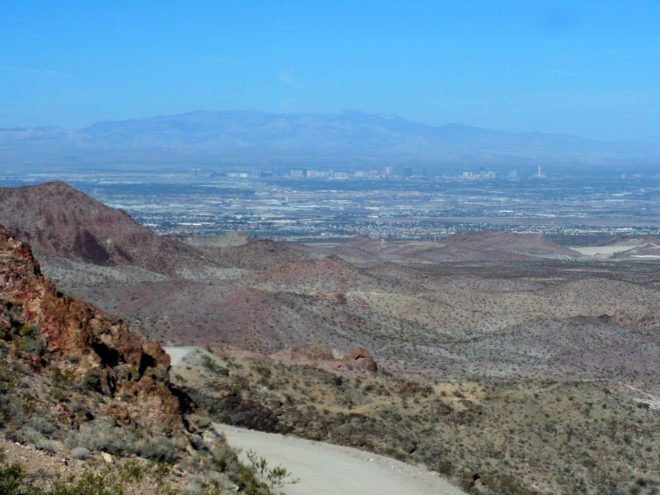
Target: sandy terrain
178, 353
325, 469
605, 251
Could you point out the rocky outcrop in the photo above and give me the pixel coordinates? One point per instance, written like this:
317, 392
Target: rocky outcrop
44, 327
360, 359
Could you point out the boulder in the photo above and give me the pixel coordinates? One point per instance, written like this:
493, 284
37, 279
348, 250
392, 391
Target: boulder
360, 359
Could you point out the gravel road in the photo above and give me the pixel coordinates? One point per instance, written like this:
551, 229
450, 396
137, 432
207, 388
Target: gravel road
326, 469
178, 353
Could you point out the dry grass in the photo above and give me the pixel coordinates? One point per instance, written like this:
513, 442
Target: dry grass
521, 436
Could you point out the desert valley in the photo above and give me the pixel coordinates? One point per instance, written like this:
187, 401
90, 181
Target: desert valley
503, 362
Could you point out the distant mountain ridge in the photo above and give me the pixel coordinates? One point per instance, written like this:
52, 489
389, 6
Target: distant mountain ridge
263, 139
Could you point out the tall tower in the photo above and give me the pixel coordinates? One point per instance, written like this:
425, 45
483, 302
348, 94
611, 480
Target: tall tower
538, 174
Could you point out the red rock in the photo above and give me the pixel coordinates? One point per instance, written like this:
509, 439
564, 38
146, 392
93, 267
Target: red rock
101, 344
361, 359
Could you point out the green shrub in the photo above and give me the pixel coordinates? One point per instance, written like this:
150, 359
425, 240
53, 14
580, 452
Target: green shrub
276, 477
11, 478
33, 345
27, 331
92, 380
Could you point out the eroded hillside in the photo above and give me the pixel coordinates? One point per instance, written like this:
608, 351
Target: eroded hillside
83, 389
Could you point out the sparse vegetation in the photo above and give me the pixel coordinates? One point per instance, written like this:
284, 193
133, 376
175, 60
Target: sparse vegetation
496, 429
509, 377
276, 477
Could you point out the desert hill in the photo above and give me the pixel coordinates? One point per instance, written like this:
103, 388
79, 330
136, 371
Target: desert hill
494, 244
58, 219
646, 247
412, 304
329, 273
489, 245
258, 254
78, 385
409, 303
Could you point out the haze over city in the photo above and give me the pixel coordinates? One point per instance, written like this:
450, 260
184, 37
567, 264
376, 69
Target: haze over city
321, 248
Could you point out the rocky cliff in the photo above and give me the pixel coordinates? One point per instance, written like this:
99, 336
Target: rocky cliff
45, 329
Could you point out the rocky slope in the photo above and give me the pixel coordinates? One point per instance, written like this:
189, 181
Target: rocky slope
36, 317
77, 383
491, 437
58, 219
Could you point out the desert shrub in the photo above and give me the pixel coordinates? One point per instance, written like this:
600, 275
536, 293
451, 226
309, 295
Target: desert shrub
90, 483
130, 472
211, 366
225, 458
160, 448
27, 331
41, 424
49, 445
276, 477
58, 395
201, 419
445, 467
262, 370
61, 378
92, 380
506, 486
33, 345
81, 453
97, 436
28, 434
119, 441
11, 478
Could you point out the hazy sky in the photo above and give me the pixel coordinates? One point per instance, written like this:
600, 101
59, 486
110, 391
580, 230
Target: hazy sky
590, 68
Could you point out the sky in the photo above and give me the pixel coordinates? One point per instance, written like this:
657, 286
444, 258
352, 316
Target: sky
589, 68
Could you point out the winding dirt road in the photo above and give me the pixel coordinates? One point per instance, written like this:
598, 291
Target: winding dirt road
326, 469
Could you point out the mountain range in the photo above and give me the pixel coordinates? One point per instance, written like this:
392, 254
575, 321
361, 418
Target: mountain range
266, 140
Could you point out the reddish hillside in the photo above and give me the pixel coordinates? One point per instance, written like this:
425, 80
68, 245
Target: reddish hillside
645, 247
46, 329
58, 219
327, 274
496, 244
488, 245
256, 254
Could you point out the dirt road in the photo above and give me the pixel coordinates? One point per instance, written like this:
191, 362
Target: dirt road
325, 469
178, 353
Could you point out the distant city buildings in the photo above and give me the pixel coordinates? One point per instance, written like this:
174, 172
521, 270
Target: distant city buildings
403, 172
539, 174
482, 174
